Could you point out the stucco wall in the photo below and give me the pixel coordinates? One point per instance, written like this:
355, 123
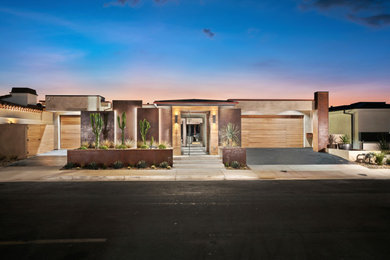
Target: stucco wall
373, 120
23, 117
273, 107
108, 132
73, 103
13, 140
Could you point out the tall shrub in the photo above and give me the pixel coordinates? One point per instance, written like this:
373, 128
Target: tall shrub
97, 126
122, 126
144, 126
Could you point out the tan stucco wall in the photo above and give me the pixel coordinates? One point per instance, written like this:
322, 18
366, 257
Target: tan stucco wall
73, 103
273, 107
22, 117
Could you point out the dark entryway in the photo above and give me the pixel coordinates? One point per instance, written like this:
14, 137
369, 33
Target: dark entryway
275, 156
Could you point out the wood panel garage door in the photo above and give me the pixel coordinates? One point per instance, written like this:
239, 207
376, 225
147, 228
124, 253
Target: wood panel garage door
272, 131
70, 132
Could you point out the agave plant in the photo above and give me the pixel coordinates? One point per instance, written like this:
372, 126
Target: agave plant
230, 134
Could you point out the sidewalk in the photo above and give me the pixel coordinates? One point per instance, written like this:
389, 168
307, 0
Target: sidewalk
285, 172
47, 168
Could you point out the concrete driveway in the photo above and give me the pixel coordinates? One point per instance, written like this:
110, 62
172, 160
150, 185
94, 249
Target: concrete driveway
290, 156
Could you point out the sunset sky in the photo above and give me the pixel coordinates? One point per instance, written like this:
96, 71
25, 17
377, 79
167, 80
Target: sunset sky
156, 49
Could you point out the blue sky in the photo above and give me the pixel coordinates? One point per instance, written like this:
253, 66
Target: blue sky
149, 49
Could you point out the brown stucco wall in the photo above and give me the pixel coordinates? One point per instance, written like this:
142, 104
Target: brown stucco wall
234, 154
108, 127
166, 125
130, 107
13, 140
320, 121
150, 114
228, 115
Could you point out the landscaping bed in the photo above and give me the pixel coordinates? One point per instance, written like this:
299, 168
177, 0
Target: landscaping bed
128, 157
234, 158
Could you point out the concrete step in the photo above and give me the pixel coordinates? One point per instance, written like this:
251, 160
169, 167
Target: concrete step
198, 166
197, 158
197, 161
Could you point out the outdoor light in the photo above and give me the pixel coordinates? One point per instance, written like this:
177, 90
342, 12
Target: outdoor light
214, 119
176, 119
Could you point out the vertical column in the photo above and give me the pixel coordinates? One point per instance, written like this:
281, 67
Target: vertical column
176, 135
320, 121
213, 121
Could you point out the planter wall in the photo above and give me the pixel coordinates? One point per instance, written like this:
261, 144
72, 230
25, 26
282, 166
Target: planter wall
128, 157
230, 154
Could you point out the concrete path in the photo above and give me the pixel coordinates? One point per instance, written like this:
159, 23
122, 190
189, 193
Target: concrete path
201, 168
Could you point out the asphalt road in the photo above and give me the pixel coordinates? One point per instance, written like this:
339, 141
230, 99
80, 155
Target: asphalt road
196, 220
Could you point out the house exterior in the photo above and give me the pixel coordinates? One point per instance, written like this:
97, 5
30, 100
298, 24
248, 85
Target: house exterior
365, 122
182, 123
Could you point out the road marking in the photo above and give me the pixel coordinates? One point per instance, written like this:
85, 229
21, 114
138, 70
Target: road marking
54, 241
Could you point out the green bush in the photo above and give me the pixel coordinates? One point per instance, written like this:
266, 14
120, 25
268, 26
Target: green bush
164, 165
92, 166
103, 147
69, 165
121, 146
83, 147
141, 164
144, 146
162, 146
102, 166
117, 165
235, 164
345, 139
379, 158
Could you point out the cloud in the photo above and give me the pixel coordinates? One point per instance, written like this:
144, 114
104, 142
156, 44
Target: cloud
374, 13
208, 33
374, 20
131, 3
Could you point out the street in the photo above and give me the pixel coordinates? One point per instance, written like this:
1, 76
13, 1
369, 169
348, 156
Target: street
339, 219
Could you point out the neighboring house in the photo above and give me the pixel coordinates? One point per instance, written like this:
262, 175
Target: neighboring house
365, 122
263, 123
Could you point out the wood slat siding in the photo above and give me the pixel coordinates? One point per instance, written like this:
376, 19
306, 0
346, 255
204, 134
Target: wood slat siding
272, 131
70, 132
40, 139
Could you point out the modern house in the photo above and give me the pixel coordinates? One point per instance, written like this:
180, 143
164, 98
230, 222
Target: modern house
64, 122
365, 122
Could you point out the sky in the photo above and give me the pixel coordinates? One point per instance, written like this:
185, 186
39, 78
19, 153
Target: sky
210, 49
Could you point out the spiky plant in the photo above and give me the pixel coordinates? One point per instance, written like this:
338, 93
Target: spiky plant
122, 126
97, 126
230, 134
144, 126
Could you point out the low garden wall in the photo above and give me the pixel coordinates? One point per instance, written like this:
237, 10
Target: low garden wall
126, 156
350, 155
230, 154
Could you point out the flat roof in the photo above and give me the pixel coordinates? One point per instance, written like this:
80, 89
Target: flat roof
195, 102
103, 98
361, 105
